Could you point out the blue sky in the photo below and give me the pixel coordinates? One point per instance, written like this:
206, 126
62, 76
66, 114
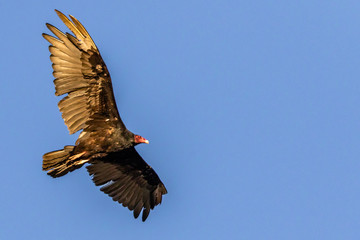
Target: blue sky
251, 109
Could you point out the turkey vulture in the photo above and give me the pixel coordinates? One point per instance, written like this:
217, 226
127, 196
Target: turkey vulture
89, 106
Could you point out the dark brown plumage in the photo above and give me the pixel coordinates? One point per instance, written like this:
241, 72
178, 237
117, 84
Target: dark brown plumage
90, 107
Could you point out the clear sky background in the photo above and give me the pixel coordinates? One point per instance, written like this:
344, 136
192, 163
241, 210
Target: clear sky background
252, 109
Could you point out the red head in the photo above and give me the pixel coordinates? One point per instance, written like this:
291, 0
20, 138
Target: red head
139, 139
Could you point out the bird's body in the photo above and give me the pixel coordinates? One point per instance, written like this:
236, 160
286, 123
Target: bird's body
90, 107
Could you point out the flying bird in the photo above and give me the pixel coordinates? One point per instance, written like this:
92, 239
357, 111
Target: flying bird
89, 106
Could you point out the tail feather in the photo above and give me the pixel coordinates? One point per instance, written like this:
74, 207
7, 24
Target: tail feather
60, 162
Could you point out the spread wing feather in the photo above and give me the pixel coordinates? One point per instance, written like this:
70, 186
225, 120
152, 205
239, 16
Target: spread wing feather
81, 73
129, 180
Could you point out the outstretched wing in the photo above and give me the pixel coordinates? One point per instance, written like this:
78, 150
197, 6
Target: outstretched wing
129, 180
81, 73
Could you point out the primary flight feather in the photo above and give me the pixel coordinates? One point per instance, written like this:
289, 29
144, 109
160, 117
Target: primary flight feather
89, 106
